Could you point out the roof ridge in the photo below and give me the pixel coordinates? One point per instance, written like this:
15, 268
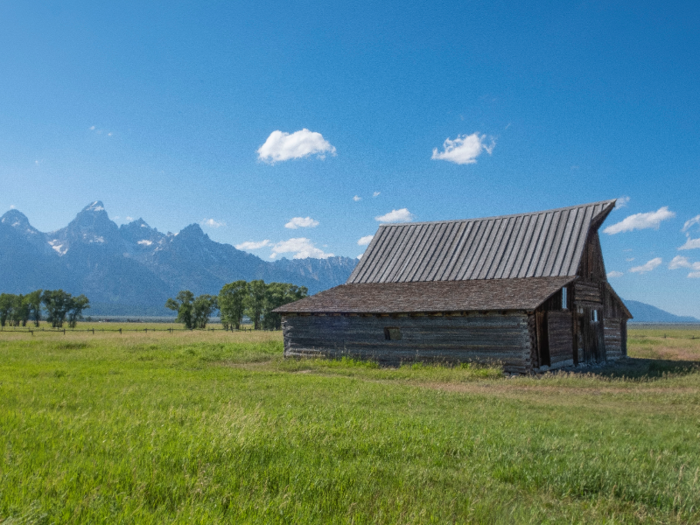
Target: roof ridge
608, 202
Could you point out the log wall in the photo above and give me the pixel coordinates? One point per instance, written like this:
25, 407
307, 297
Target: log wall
614, 347
561, 342
502, 338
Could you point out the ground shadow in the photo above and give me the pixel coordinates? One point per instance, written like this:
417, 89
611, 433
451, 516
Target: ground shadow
639, 368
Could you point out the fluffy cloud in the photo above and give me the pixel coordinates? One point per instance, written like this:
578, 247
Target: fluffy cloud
281, 146
376, 194
614, 274
690, 244
622, 202
402, 215
301, 248
647, 267
301, 222
682, 262
641, 221
252, 245
360, 256
689, 223
357, 198
464, 149
211, 223
679, 262
364, 241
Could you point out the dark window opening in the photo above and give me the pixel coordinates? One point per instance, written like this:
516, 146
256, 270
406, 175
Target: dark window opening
392, 334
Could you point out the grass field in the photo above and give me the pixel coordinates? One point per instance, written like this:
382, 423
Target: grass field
215, 427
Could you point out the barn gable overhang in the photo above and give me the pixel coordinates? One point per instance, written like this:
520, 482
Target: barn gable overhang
619, 301
430, 297
541, 244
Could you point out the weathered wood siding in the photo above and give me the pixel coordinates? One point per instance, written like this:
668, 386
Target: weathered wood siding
479, 337
614, 339
561, 342
588, 293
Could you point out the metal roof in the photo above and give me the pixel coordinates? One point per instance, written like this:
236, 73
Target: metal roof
445, 296
541, 244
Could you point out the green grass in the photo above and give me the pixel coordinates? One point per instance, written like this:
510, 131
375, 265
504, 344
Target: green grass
216, 427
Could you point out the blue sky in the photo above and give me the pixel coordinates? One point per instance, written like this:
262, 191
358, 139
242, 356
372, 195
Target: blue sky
168, 111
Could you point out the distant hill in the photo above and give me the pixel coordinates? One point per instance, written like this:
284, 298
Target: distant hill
646, 313
134, 268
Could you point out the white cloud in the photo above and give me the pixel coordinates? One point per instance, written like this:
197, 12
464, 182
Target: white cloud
92, 128
647, 267
641, 221
364, 241
252, 245
301, 248
682, 262
464, 149
613, 274
360, 256
690, 244
629, 259
622, 202
357, 198
694, 275
301, 222
213, 223
281, 146
679, 262
12, 207
376, 194
402, 215
129, 219
690, 222
145, 242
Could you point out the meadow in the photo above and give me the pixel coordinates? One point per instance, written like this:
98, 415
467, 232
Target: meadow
216, 427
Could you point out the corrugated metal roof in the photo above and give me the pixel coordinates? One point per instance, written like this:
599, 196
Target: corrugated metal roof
435, 296
541, 244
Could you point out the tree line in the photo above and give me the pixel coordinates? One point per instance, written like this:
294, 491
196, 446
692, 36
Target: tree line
57, 305
254, 299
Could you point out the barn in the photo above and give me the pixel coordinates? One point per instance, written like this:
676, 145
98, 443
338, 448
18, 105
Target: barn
528, 291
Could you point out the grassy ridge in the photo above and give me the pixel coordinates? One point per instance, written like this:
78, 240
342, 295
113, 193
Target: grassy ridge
217, 428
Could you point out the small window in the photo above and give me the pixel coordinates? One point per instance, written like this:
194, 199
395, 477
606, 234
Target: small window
392, 334
594, 314
564, 301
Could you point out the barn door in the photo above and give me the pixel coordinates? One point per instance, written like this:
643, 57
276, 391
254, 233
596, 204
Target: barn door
542, 339
591, 326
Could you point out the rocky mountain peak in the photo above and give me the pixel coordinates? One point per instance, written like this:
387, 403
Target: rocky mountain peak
16, 219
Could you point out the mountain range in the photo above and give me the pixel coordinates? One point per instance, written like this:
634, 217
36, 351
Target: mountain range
134, 268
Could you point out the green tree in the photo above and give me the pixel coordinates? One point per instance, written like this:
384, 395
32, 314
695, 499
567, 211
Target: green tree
33, 301
232, 304
76, 305
7, 301
278, 294
255, 302
57, 303
183, 305
202, 307
20, 311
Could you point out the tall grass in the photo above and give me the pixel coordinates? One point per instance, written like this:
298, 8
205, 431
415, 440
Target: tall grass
218, 428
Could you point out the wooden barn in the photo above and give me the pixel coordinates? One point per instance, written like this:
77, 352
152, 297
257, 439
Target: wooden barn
529, 291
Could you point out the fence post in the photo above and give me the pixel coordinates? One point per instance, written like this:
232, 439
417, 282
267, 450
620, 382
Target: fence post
64, 331
120, 330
